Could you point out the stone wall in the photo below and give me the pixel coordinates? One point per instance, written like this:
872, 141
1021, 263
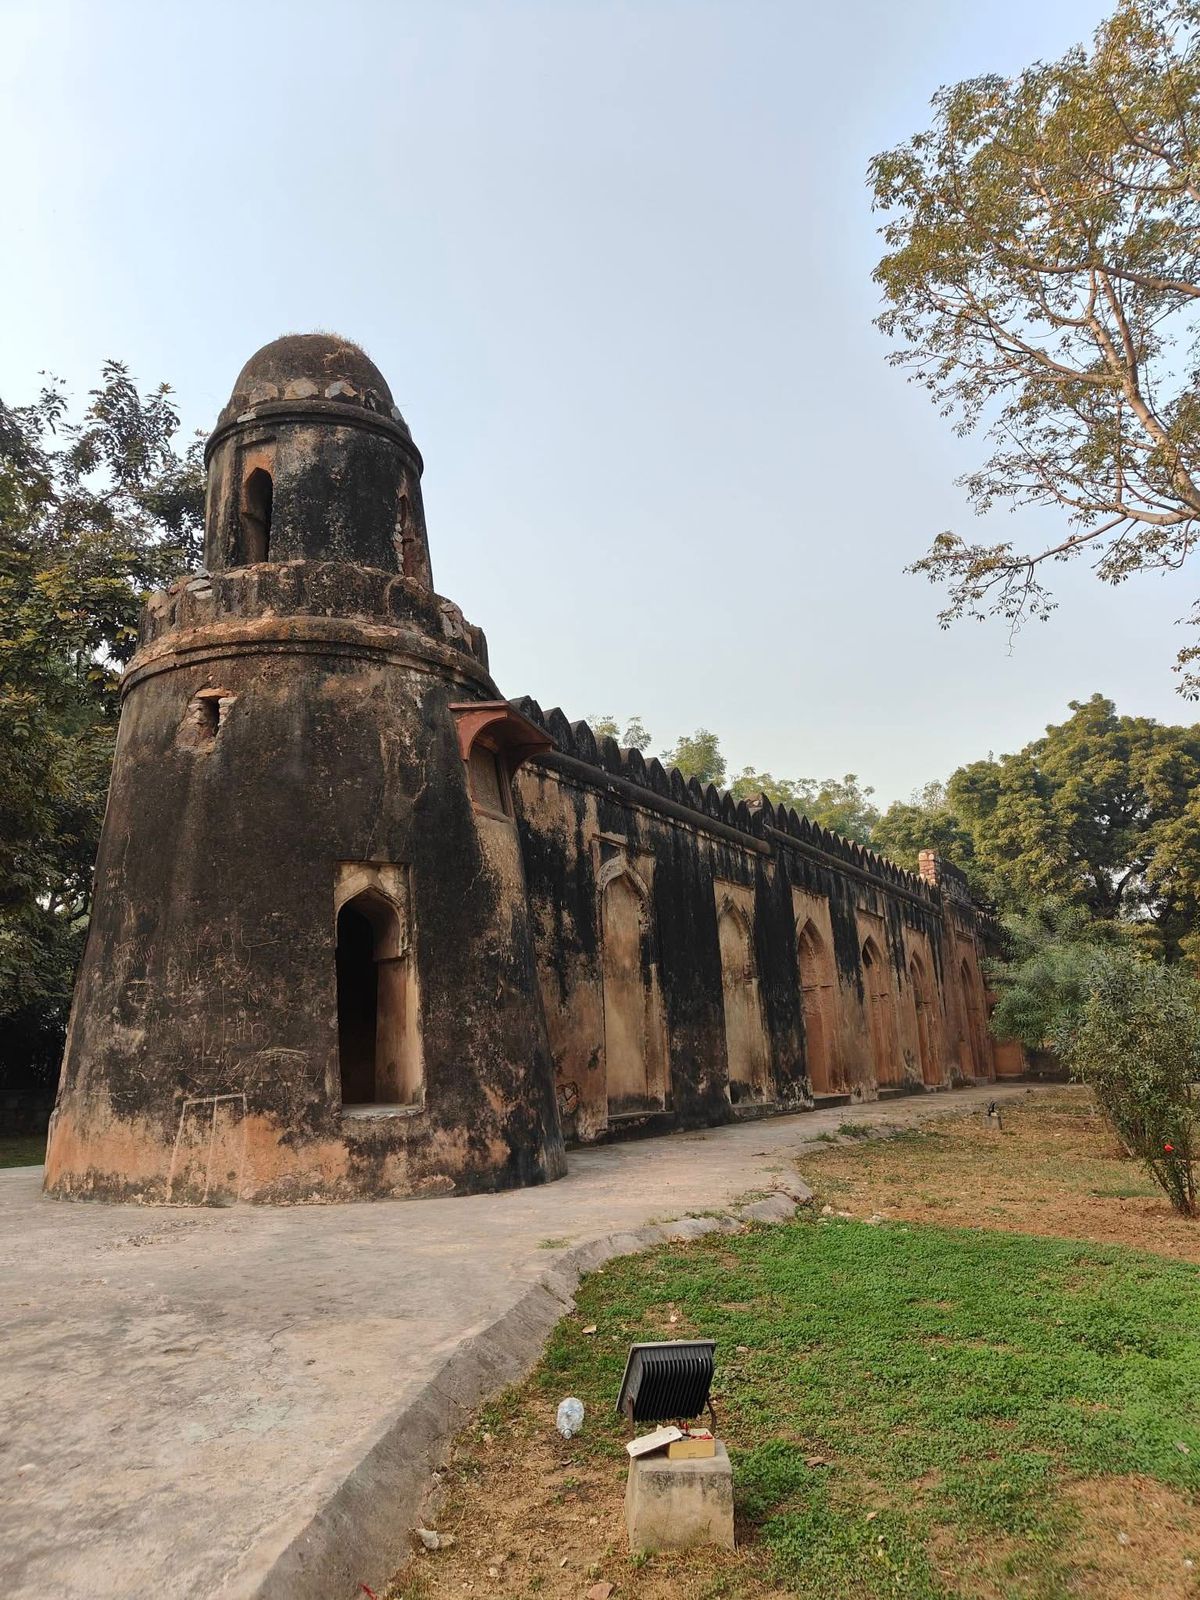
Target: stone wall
363, 928
704, 959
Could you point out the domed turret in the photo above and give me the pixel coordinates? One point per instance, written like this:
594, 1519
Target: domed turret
308, 367
312, 461
310, 971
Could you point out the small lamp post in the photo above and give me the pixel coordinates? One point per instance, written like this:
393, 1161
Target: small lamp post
676, 1497
668, 1381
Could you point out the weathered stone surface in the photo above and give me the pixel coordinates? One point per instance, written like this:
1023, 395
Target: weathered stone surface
679, 1505
776, 1207
300, 904
281, 1374
361, 927
699, 963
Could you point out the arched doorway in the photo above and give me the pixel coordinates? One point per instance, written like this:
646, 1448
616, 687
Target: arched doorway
881, 1019
817, 979
379, 1042
926, 1035
635, 1039
745, 1035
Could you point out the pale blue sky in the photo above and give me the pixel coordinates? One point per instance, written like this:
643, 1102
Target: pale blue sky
614, 260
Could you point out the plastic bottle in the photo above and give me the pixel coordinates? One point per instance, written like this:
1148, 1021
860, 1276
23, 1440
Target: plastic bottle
570, 1416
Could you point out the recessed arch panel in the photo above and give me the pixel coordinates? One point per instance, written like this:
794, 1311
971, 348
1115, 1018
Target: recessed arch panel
973, 1043
881, 1013
926, 1031
635, 1035
746, 1048
818, 989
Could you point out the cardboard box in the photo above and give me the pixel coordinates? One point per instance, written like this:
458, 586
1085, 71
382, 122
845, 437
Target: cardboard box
697, 1446
651, 1443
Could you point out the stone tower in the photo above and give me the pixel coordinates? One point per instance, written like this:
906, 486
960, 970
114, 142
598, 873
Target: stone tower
309, 973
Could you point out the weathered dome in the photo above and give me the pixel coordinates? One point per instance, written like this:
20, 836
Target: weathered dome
311, 367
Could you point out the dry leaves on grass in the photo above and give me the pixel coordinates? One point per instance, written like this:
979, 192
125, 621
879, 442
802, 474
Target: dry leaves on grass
1136, 1540
1055, 1171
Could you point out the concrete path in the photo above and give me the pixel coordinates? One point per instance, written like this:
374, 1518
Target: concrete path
246, 1403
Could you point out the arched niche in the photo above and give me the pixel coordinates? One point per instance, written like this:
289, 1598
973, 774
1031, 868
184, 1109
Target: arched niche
922, 999
378, 1002
881, 1015
635, 1032
973, 1043
818, 990
746, 1049
493, 740
255, 506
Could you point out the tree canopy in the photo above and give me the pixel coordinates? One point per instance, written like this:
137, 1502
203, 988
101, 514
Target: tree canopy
697, 755
1042, 280
926, 821
94, 511
634, 736
1048, 971
1102, 812
843, 805
1099, 812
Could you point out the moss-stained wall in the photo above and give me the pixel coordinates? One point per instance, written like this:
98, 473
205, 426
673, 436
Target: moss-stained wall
207, 992
363, 928
589, 811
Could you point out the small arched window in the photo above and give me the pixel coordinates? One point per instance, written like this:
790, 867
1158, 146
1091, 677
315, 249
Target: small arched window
258, 494
378, 1013
489, 781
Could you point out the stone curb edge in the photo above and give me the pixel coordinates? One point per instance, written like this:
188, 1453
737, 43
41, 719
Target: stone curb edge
356, 1523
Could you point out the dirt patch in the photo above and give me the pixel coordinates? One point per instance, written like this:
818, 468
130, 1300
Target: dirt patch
1055, 1170
1138, 1540
530, 1517
951, 1557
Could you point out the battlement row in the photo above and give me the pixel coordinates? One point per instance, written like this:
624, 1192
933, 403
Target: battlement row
757, 818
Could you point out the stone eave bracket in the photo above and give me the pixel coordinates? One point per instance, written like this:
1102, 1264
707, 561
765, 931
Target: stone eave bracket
497, 725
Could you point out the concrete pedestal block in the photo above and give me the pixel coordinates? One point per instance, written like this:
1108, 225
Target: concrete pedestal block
673, 1505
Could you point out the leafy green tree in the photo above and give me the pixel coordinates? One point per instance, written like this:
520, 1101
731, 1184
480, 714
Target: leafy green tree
749, 784
634, 737
1042, 279
1046, 975
93, 512
843, 805
697, 756
926, 821
1136, 1040
1101, 812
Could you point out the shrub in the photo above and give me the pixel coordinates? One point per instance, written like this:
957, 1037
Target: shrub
1136, 1041
1044, 981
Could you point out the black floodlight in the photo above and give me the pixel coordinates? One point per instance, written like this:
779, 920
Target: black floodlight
667, 1382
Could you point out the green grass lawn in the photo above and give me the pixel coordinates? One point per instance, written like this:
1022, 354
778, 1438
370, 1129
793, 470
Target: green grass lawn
952, 1379
28, 1151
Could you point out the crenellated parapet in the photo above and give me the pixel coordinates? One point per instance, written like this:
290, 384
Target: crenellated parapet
762, 824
